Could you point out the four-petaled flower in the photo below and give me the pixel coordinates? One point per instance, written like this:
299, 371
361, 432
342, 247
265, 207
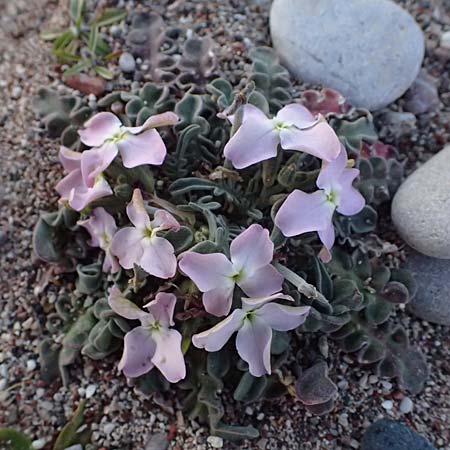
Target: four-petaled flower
215, 275
254, 324
294, 127
152, 343
102, 227
302, 212
140, 244
137, 145
72, 188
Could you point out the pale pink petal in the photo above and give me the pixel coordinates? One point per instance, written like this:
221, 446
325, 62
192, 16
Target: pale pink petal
350, 199
99, 128
138, 351
136, 211
110, 263
145, 148
264, 281
282, 317
320, 141
162, 308
168, 357
325, 255
331, 171
215, 338
327, 236
207, 271
82, 195
164, 220
124, 307
101, 227
218, 301
158, 120
297, 115
158, 257
251, 250
71, 181
253, 345
126, 245
302, 212
95, 161
256, 302
69, 159
256, 139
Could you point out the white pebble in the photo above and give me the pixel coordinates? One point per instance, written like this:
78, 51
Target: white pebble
109, 428
3, 384
387, 405
406, 405
38, 444
248, 411
215, 441
90, 390
75, 447
260, 416
31, 365
16, 91
445, 39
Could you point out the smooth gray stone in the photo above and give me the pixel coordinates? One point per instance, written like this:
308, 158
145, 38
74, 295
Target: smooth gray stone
432, 275
369, 50
388, 434
421, 207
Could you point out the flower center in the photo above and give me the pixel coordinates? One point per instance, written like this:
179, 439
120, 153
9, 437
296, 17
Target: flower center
238, 276
279, 125
118, 136
332, 197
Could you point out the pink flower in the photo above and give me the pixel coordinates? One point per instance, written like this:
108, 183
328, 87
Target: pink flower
137, 145
102, 227
153, 343
254, 324
294, 127
216, 276
302, 212
72, 187
140, 244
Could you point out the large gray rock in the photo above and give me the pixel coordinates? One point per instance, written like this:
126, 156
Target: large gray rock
369, 50
421, 207
432, 275
387, 434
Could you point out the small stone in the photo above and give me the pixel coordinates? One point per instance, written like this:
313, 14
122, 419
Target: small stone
38, 444
90, 390
127, 62
260, 416
86, 84
157, 441
388, 405
373, 379
3, 384
248, 411
109, 428
16, 92
3, 238
406, 405
115, 30
423, 95
445, 40
432, 277
215, 441
31, 365
391, 435
74, 447
316, 41
421, 207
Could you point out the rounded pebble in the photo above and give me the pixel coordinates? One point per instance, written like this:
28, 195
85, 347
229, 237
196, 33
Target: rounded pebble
127, 62
406, 405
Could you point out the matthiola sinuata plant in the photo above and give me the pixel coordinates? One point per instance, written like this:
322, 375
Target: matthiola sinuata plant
200, 231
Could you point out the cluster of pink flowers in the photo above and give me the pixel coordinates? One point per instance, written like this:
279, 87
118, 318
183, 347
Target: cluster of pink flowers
155, 342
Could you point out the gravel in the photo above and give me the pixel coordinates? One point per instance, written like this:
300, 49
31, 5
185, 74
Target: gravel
28, 173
